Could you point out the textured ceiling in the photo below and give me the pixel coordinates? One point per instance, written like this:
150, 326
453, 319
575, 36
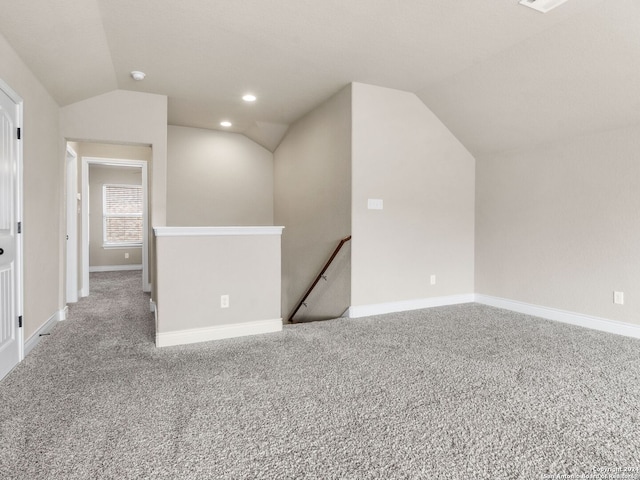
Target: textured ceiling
501, 76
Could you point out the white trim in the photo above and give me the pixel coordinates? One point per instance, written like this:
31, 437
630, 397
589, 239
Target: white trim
72, 225
564, 316
114, 268
34, 339
154, 308
63, 314
405, 305
218, 332
146, 284
215, 231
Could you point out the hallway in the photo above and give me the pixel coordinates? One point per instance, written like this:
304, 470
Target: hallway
116, 311
60, 407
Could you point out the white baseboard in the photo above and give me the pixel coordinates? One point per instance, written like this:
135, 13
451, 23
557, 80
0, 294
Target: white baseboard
587, 321
217, 332
154, 309
403, 306
114, 268
44, 328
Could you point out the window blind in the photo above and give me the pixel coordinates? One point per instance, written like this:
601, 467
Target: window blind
122, 214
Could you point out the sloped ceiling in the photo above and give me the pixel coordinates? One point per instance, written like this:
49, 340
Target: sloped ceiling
500, 76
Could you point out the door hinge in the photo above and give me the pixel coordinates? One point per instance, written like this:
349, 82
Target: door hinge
19, 227
19, 133
20, 321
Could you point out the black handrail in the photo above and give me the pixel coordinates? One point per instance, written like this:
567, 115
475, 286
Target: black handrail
315, 282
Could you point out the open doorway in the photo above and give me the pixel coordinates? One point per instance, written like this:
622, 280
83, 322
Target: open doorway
111, 210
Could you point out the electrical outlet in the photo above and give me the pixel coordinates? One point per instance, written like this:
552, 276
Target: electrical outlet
224, 301
433, 279
126, 255
618, 298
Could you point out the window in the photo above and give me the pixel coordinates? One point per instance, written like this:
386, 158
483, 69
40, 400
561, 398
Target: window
122, 215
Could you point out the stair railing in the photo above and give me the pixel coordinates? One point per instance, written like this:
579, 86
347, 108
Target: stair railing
320, 275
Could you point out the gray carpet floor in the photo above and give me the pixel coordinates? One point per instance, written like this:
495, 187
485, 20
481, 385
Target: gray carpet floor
461, 392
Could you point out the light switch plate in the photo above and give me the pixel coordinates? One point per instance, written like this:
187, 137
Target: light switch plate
374, 204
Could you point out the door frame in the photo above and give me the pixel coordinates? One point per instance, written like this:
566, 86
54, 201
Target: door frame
86, 161
72, 225
18, 209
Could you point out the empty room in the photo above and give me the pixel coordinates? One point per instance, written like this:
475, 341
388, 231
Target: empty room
300, 239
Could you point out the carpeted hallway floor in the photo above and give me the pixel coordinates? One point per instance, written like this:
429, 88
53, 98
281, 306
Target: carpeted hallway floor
462, 392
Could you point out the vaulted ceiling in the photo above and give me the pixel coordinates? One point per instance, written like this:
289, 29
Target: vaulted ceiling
501, 76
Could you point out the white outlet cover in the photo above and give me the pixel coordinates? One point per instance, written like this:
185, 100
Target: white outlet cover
618, 298
224, 301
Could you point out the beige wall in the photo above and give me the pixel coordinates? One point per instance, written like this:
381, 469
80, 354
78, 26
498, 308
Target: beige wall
559, 225
194, 271
43, 181
125, 117
405, 156
100, 175
217, 178
313, 202
112, 150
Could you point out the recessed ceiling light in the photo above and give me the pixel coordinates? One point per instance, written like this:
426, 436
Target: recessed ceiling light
542, 5
225, 124
249, 98
137, 75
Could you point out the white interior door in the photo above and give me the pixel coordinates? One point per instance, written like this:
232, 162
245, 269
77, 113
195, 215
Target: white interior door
10, 305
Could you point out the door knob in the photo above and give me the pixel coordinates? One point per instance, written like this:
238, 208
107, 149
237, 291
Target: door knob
1, 251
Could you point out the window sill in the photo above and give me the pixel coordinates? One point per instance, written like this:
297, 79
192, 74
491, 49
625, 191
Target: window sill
111, 246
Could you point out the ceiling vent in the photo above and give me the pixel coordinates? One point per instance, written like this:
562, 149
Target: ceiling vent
542, 5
